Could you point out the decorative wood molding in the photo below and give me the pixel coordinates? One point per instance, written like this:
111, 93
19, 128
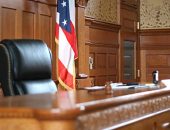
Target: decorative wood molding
101, 25
146, 32
132, 4
146, 47
16, 113
148, 36
115, 115
98, 44
48, 2
81, 3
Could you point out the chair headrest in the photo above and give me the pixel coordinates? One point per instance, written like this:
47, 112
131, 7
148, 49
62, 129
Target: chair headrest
29, 59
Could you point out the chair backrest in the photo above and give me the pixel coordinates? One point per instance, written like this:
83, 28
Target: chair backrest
25, 67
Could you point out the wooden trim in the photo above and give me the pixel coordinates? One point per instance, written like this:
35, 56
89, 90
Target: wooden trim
148, 32
138, 119
43, 113
129, 3
92, 23
147, 47
99, 44
48, 2
73, 110
81, 3
152, 33
100, 105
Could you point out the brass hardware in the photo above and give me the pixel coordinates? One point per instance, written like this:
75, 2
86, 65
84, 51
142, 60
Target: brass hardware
138, 25
138, 73
90, 63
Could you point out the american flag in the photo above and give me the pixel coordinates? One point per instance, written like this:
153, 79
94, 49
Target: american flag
67, 46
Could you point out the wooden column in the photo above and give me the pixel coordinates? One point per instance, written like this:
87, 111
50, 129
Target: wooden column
82, 65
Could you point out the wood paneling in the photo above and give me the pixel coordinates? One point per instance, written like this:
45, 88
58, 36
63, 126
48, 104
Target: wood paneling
45, 20
31, 20
155, 39
45, 33
125, 109
128, 23
102, 40
8, 22
155, 54
129, 32
132, 3
155, 60
152, 123
19, 124
28, 25
101, 36
87, 82
82, 62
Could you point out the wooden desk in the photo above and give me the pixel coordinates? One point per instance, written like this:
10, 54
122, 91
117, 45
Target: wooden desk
133, 109
87, 82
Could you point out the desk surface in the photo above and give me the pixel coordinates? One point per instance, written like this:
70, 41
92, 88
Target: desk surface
82, 109
71, 104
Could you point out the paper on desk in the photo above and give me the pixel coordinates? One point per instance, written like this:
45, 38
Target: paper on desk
166, 82
150, 85
118, 86
94, 88
124, 86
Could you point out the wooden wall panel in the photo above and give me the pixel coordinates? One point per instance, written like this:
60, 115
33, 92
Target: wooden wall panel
45, 33
112, 59
155, 39
45, 23
105, 64
102, 40
159, 60
100, 80
100, 36
155, 60
82, 61
53, 46
101, 59
128, 19
30, 19
155, 54
8, 22
28, 25
16, 18
128, 71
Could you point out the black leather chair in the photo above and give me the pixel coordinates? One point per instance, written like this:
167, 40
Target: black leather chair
25, 67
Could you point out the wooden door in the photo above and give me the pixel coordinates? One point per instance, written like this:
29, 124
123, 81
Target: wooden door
129, 58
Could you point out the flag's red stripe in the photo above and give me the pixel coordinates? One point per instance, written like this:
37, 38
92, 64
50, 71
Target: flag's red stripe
57, 32
64, 75
71, 37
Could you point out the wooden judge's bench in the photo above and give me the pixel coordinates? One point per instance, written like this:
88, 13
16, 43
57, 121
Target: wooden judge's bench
124, 109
